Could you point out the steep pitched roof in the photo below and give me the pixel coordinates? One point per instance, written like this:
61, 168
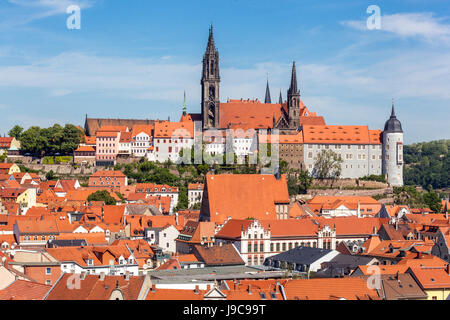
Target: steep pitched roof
225, 255
174, 130
329, 289
339, 135
24, 290
94, 288
256, 195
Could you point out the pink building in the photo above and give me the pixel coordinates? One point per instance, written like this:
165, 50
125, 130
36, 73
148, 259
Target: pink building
107, 144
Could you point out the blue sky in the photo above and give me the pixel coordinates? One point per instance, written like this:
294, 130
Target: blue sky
135, 59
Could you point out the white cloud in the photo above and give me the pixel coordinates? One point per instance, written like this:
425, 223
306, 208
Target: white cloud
341, 92
424, 25
25, 11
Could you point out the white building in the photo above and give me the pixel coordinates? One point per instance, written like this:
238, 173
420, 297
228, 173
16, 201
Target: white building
141, 140
257, 240
359, 148
195, 193
121, 260
163, 237
162, 190
172, 137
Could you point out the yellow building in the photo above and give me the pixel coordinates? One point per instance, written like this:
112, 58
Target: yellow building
9, 168
435, 281
27, 199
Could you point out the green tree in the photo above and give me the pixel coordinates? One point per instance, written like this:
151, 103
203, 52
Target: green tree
299, 182
50, 175
102, 195
71, 138
32, 141
183, 201
15, 132
432, 200
328, 165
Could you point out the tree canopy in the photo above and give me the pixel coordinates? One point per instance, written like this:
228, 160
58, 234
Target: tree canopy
428, 163
328, 165
51, 141
102, 195
15, 132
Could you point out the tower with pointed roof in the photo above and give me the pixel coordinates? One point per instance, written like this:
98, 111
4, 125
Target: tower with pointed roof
210, 85
392, 153
267, 98
293, 101
184, 104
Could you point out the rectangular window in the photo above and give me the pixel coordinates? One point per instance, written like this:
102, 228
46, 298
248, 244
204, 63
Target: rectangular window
48, 271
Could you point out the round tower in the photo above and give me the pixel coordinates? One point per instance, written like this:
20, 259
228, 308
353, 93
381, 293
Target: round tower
393, 150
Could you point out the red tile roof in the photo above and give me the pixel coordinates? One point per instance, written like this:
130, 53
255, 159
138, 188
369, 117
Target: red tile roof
340, 135
174, 130
256, 196
24, 290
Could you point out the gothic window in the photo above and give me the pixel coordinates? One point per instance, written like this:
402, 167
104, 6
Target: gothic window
212, 93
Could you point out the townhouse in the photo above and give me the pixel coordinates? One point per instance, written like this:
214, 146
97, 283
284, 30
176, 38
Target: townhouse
257, 240
344, 206
84, 155
107, 147
172, 137
434, 281
99, 287
241, 196
195, 233
141, 140
195, 193
108, 178
9, 168
160, 190
109, 260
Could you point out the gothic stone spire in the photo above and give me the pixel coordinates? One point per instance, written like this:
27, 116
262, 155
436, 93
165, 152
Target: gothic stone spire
267, 99
293, 88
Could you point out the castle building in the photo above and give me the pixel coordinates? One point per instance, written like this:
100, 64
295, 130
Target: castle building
302, 134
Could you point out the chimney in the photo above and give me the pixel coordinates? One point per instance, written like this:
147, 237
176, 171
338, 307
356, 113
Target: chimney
176, 218
127, 276
249, 290
102, 276
447, 269
83, 275
153, 288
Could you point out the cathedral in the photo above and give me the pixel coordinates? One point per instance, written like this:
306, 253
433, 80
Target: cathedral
287, 116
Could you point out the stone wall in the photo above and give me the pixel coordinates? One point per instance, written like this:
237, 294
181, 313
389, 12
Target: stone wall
65, 169
343, 183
